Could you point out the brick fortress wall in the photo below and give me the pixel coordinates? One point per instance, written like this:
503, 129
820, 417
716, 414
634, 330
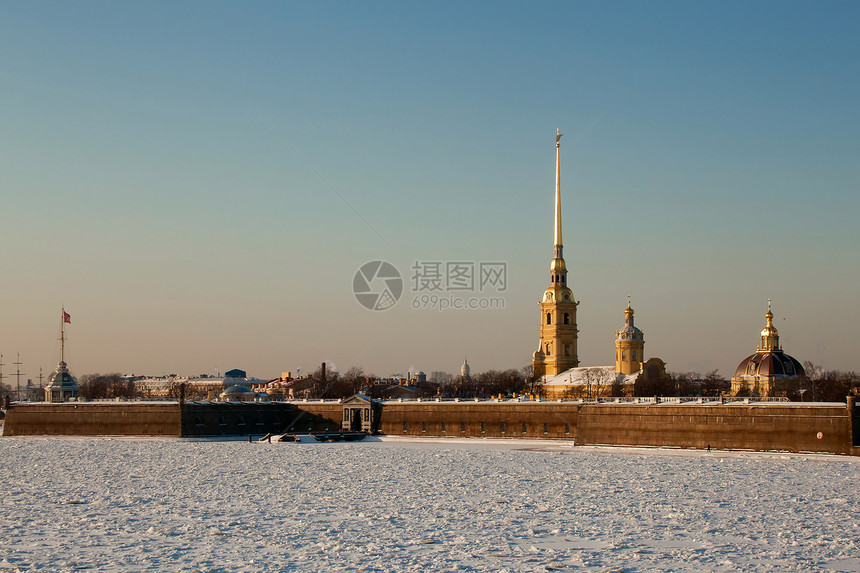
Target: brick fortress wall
824, 428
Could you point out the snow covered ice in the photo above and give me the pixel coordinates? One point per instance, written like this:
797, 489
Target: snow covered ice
113, 504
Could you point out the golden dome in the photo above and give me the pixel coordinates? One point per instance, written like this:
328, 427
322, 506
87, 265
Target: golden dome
769, 334
557, 265
769, 329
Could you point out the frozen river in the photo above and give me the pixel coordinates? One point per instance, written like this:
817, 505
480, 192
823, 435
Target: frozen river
432, 505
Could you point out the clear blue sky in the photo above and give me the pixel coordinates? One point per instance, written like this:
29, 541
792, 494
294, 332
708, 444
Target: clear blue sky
198, 182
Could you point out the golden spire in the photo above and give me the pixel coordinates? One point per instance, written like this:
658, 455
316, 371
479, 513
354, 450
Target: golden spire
557, 269
558, 242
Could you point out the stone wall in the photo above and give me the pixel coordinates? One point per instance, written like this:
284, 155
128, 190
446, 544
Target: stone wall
235, 418
480, 419
94, 419
795, 428
314, 417
826, 428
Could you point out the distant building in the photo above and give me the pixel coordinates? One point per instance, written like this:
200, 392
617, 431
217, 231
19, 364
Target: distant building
770, 371
62, 385
239, 393
465, 370
199, 388
437, 377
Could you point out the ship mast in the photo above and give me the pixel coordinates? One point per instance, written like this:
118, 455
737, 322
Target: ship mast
18, 373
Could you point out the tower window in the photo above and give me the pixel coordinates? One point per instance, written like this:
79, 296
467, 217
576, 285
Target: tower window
566, 318
548, 349
623, 355
549, 318
567, 349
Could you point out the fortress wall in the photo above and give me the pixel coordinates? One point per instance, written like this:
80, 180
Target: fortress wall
480, 419
792, 428
93, 419
753, 427
788, 427
235, 418
314, 417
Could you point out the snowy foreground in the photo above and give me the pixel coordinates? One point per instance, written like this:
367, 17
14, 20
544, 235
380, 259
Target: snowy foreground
432, 505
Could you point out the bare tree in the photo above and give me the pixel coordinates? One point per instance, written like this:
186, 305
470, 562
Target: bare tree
532, 383
353, 380
101, 386
813, 375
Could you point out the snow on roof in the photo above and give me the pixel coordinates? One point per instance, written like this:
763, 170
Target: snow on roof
590, 375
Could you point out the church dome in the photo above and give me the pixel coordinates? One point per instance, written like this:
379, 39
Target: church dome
237, 393
770, 364
629, 330
769, 371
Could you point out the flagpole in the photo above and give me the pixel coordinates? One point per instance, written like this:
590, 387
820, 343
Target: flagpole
63, 335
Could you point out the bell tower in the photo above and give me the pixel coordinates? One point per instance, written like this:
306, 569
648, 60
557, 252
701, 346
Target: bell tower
558, 332
629, 345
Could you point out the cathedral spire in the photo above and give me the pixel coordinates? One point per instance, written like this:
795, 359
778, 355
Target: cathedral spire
558, 269
558, 243
558, 332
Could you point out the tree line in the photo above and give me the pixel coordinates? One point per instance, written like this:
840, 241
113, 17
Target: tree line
819, 385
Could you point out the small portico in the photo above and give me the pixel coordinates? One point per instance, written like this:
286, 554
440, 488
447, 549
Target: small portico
359, 414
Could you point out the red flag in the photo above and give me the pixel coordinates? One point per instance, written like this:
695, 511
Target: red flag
67, 317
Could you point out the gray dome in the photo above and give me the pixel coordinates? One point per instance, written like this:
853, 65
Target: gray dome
237, 390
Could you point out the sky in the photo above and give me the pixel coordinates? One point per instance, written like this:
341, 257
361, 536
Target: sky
198, 183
